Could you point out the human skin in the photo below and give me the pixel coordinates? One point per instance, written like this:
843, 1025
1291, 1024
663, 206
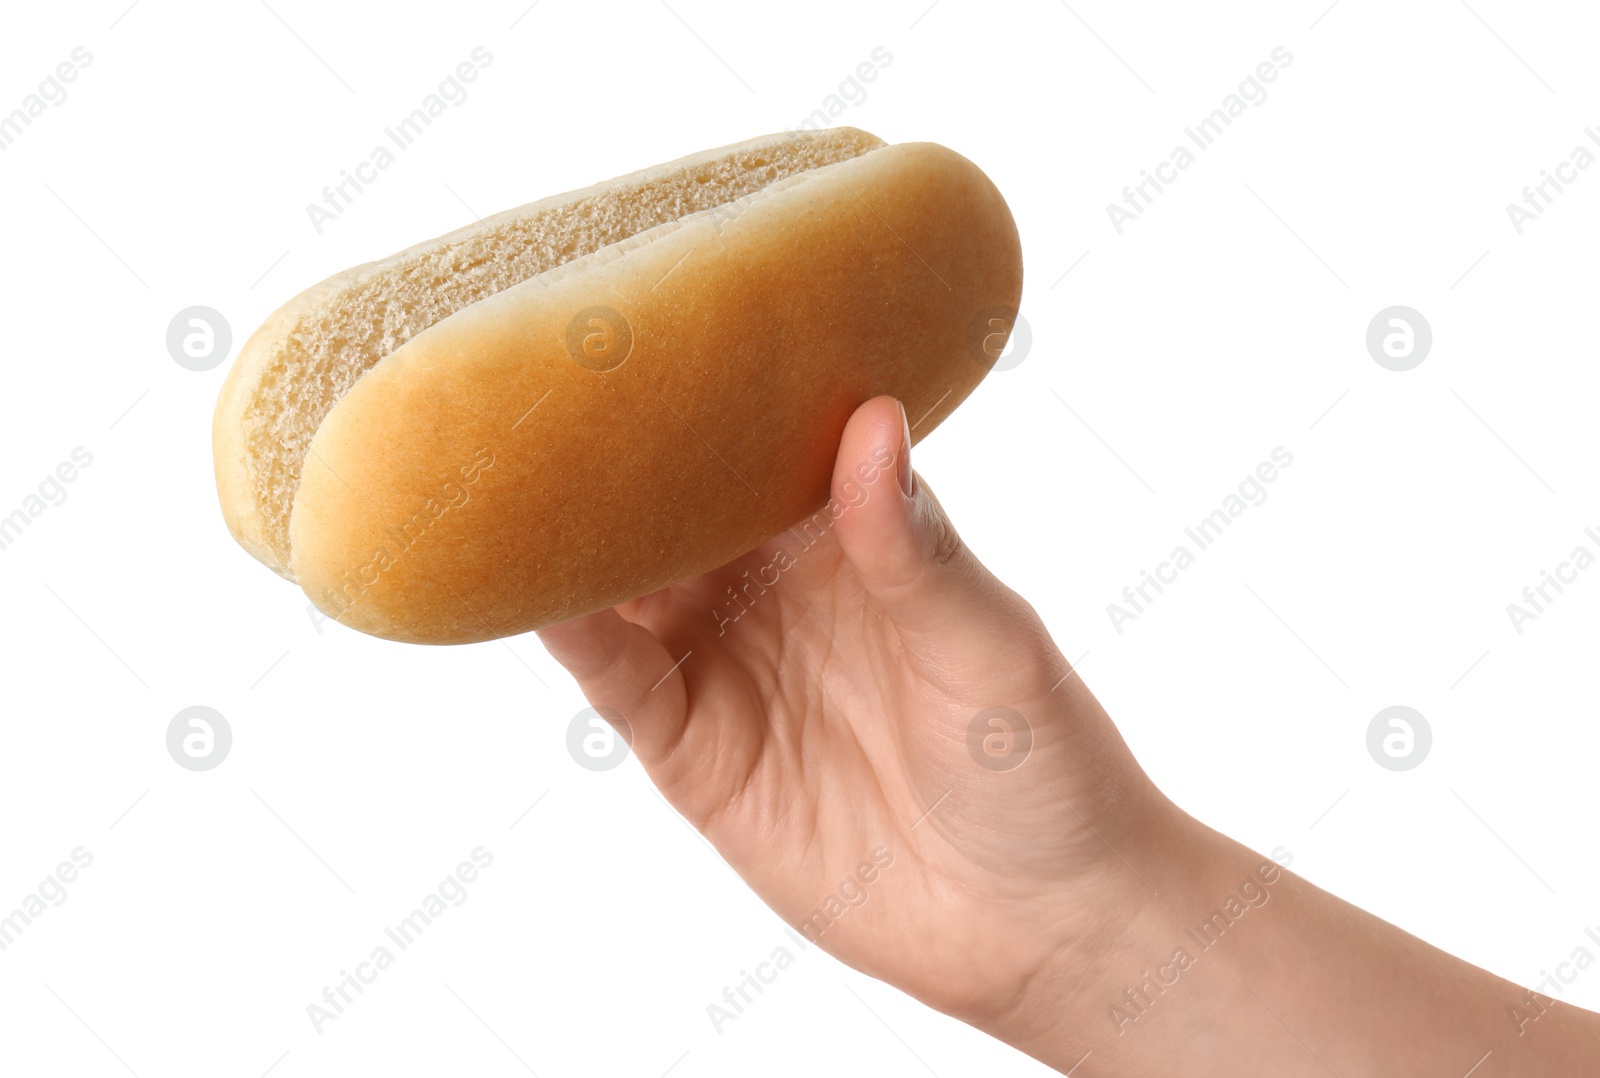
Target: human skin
1031, 893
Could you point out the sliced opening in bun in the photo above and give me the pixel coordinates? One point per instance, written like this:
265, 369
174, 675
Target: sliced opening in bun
297, 366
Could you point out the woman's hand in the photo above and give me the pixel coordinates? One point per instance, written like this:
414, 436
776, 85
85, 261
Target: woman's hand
883, 740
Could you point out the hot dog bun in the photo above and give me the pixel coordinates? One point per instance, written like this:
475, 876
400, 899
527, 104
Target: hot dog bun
591, 397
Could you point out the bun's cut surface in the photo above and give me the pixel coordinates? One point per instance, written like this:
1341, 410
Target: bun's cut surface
597, 395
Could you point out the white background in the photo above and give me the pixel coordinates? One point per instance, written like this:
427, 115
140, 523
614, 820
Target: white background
1226, 321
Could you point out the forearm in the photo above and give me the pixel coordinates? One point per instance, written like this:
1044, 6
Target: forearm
1238, 967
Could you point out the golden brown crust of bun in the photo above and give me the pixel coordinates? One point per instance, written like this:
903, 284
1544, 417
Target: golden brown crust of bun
307, 355
481, 481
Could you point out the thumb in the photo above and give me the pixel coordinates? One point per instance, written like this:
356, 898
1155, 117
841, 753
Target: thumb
895, 534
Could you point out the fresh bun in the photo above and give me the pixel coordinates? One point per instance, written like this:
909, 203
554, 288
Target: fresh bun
597, 395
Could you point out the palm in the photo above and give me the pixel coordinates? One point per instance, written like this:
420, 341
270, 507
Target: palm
826, 725
816, 732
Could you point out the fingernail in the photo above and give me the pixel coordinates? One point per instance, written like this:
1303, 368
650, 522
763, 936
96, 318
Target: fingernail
902, 465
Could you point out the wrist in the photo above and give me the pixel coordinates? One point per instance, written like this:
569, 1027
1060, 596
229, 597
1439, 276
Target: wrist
1238, 963
1110, 942
1156, 955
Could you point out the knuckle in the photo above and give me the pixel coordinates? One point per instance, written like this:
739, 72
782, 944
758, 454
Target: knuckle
946, 541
